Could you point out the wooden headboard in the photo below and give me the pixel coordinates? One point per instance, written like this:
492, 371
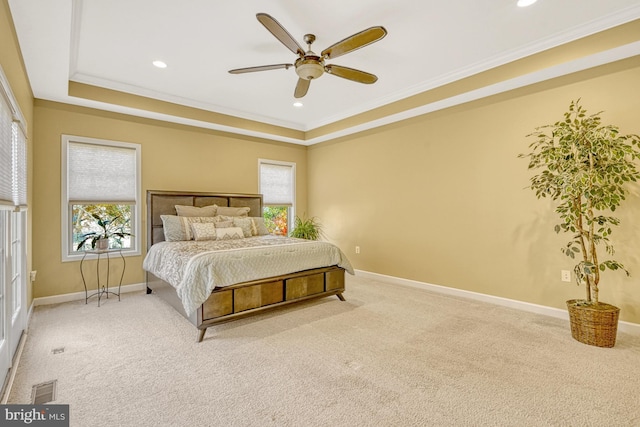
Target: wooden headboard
163, 203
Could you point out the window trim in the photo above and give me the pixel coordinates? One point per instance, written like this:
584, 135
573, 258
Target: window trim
66, 207
292, 209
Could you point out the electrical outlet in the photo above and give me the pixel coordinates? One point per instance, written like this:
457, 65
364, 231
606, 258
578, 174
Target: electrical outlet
565, 275
357, 249
32, 275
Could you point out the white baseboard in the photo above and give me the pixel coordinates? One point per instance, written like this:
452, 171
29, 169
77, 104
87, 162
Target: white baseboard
627, 327
57, 299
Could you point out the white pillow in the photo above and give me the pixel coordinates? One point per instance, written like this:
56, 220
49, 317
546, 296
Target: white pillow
245, 223
229, 233
173, 228
189, 220
183, 210
224, 224
257, 227
178, 228
232, 211
203, 231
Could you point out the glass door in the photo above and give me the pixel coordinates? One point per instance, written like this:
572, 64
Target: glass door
18, 285
13, 285
5, 354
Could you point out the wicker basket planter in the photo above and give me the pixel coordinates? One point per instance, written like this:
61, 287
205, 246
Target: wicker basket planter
593, 324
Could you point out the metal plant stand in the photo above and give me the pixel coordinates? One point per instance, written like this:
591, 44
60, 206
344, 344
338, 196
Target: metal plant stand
101, 290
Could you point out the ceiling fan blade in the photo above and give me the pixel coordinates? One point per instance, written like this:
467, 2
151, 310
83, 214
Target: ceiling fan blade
301, 88
260, 68
356, 41
280, 33
351, 74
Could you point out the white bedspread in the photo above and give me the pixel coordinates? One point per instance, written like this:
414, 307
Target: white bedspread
194, 268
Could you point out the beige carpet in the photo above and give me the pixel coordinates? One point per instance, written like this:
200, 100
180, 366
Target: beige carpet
388, 356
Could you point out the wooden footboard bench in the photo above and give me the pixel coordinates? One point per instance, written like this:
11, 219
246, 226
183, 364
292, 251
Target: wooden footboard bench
244, 299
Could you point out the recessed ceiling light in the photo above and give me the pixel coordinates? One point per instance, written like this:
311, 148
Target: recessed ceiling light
297, 104
160, 64
525, 3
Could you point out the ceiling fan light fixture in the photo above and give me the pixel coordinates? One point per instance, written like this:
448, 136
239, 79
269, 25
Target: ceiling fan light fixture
309, 68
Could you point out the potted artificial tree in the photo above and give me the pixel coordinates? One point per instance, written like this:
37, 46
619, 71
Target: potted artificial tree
585, 166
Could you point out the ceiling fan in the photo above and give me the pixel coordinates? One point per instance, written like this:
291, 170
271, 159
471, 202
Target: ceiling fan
309, 65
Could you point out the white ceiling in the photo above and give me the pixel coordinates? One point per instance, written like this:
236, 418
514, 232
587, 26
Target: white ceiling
111, 44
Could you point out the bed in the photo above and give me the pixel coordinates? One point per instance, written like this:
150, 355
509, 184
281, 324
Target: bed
213, 280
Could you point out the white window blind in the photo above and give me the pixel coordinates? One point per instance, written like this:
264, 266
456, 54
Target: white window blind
19, 165
13, 149
6, 152
277, 184
101, 173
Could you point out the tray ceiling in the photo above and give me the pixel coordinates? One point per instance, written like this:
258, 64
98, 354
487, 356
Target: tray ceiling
89, 52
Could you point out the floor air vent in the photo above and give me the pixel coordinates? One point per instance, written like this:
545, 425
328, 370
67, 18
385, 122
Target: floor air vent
44, 392
58, 350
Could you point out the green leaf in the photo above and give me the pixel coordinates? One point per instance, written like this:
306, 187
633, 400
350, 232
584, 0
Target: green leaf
584, 165
307, 228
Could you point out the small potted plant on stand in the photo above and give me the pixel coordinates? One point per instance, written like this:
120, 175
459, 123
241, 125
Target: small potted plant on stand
306, 228
585, 166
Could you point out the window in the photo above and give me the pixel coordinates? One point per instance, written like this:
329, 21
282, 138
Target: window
100, 196
278, 187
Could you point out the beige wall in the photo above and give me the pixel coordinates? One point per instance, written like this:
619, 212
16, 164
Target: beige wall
174, 157
441, 198
13, 67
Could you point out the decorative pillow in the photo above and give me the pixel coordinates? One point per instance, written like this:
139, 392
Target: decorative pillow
229, 233
203, 231
184, 210
258, 227
224, 224
224, 210
245, 224
173, 228
178, 228
188, 220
